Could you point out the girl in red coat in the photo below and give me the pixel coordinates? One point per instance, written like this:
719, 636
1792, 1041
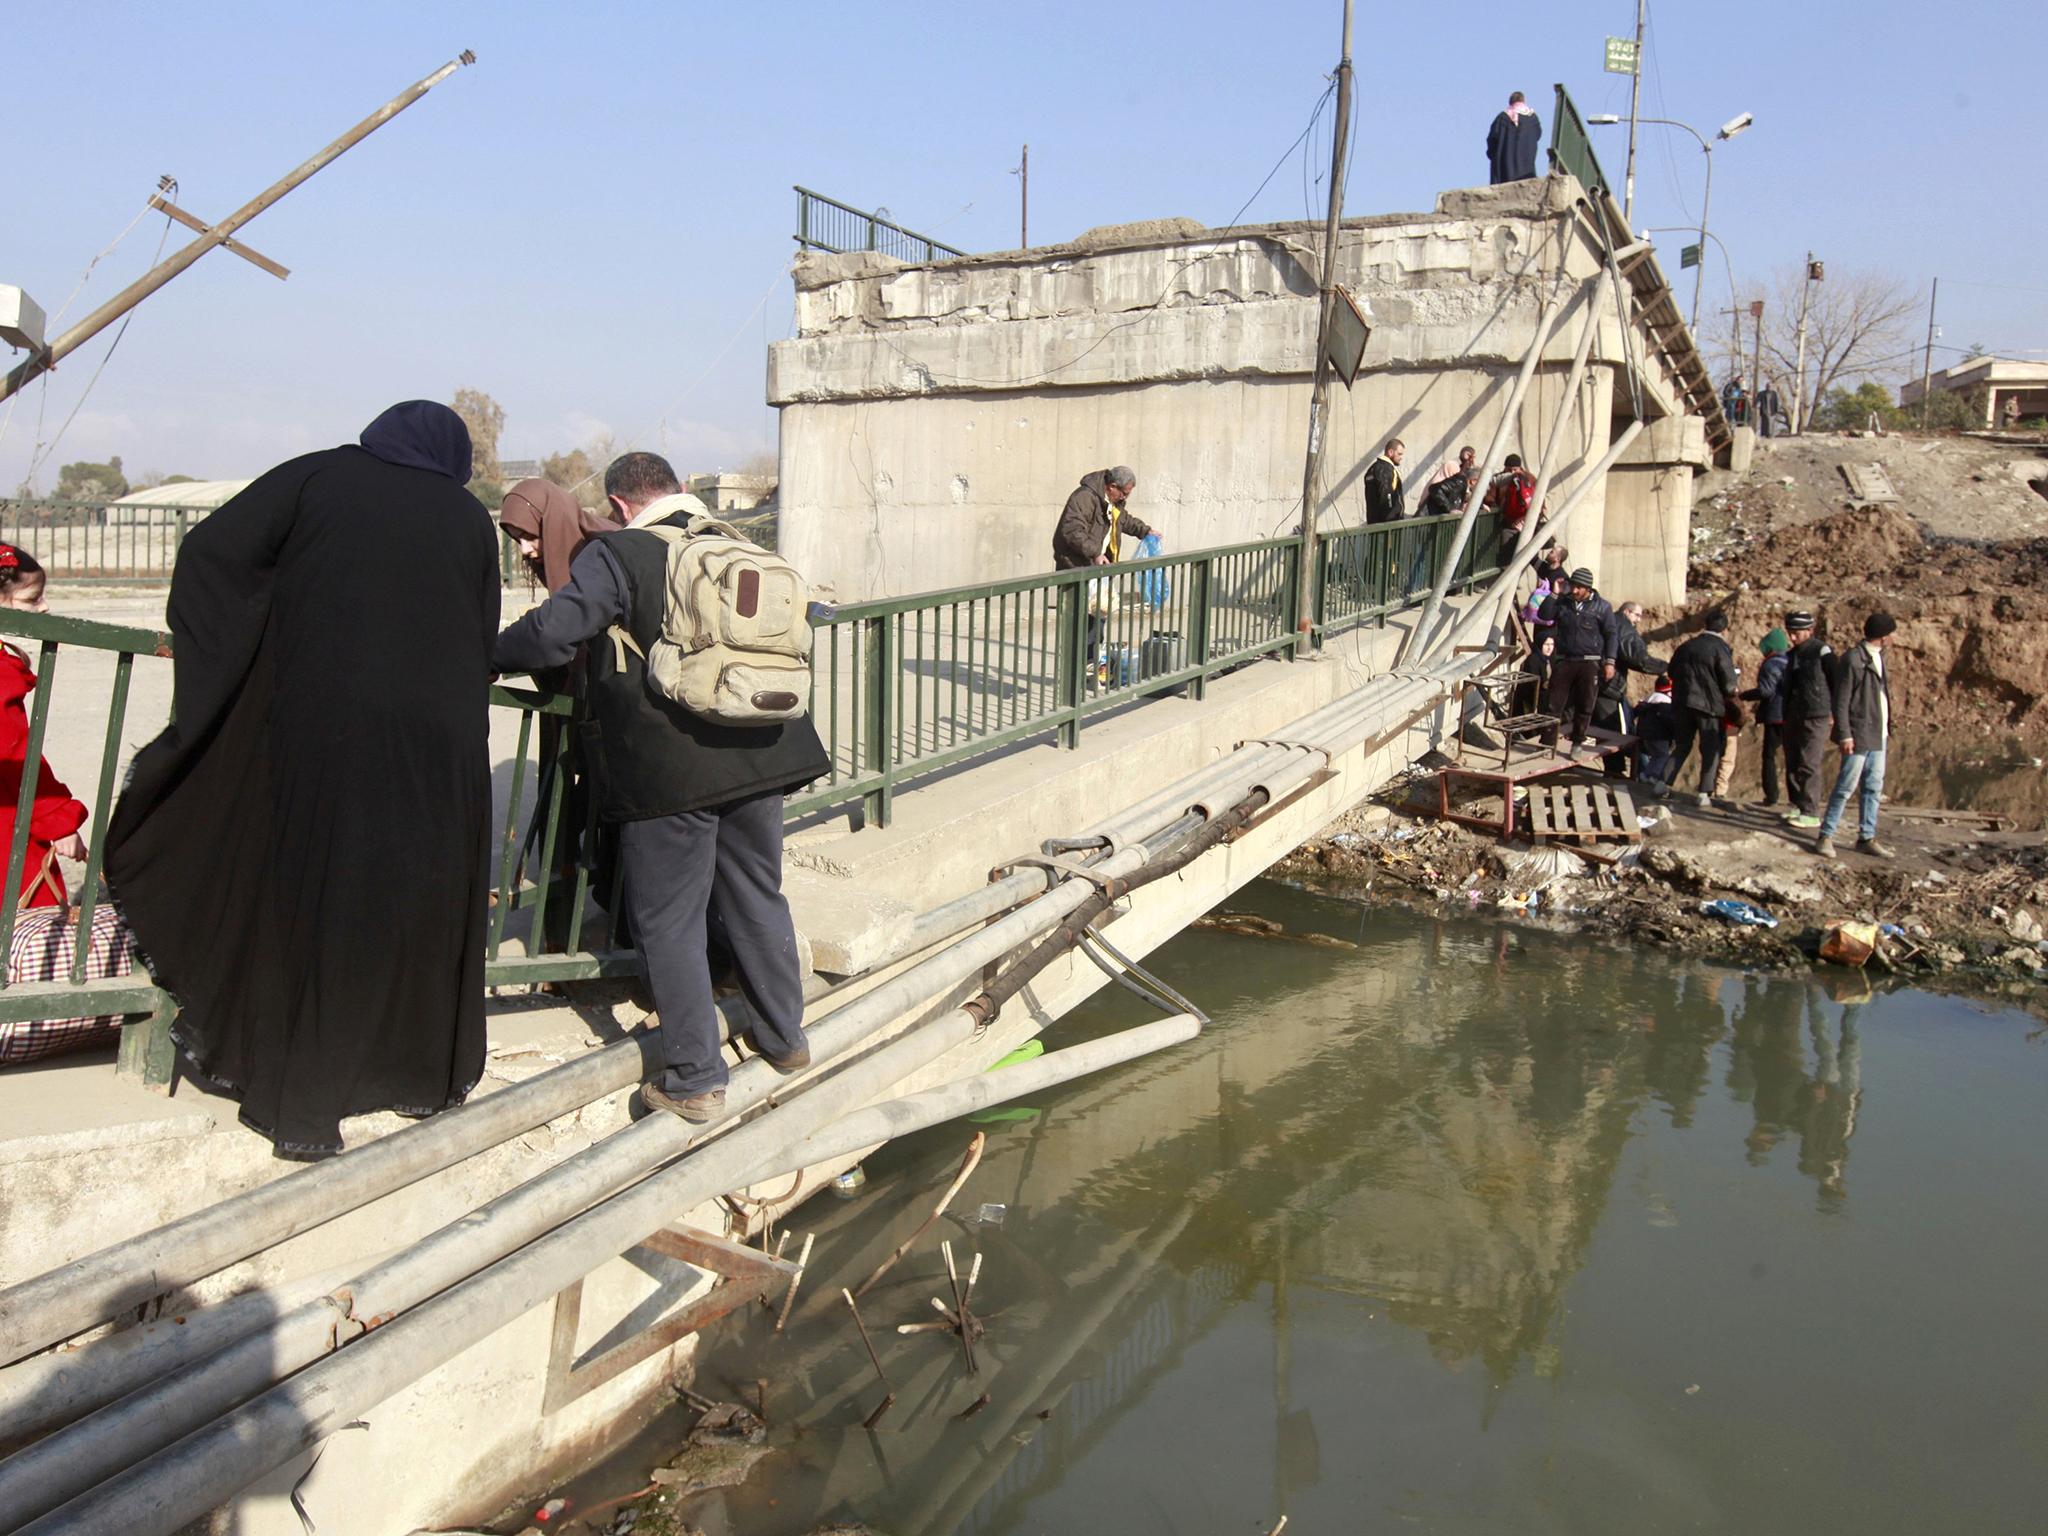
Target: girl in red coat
57, 815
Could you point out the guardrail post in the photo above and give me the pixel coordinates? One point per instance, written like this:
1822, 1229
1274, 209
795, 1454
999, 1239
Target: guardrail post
1071, 627
146, 1051
1203, 575
878, 711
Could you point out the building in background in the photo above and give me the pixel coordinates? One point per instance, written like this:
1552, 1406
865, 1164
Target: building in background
2012, 390
723, 491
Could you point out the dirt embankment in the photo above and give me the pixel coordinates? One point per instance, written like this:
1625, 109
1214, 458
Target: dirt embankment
1967, 908
1960, 559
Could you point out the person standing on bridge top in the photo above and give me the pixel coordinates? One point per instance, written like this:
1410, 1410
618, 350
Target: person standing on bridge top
302, 853
1587, 636
698, 804
1511, 142
1091, 531
1863, 724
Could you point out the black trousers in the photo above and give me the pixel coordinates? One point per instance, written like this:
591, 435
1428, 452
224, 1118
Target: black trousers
1775, 743
1806, 751
675, 868
1707, 727
1574, 690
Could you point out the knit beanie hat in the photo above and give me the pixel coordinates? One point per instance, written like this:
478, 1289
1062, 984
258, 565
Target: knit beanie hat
1775, 643
1878, 625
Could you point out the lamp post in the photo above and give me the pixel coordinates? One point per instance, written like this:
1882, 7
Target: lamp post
1728, 131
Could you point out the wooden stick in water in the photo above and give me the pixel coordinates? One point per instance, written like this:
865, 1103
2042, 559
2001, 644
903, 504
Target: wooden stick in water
967, 1167
789, 1296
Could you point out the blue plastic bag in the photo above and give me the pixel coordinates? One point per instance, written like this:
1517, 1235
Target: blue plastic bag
1153, 586
1743, 912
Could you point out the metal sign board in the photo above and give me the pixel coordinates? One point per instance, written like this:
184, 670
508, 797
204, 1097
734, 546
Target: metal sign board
1621, 56
1688, 256
1350, 329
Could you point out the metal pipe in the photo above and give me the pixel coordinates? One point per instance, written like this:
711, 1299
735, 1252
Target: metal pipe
165, 1491
41, 1476
878, 1123
182, 258
68, 1300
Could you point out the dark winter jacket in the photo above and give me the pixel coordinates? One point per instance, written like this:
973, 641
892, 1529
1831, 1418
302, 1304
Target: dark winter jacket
1385, 497
1631, 654
1582, 629
1808, 692
1446, 496
1703, 675
1082, 532
1862, 701
1769, 692
1511, 147
649, 755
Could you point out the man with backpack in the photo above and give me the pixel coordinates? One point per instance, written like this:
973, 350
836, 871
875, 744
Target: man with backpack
697, 679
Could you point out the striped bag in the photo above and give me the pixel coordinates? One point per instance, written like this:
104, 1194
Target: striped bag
45, 940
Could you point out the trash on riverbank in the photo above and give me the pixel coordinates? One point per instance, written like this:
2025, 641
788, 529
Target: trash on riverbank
1849, 943
1747, 913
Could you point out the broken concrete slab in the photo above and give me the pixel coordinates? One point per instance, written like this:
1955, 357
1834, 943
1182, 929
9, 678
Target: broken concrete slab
849, 928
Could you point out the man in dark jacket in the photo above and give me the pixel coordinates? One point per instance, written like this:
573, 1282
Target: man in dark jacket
1863, 723
1808, 698
1769, 697
1385, 500
698, 804
1094, 524
1091, 531
1631, 654
1586, 634
1703, 680
1511, 143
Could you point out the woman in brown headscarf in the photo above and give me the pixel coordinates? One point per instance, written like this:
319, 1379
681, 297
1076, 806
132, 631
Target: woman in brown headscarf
549, 527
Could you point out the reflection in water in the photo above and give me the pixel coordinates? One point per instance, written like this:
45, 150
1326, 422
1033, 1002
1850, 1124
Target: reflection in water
1446, 1232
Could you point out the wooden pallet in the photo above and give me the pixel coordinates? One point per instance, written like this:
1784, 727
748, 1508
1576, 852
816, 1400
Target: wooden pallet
1600, 812
1869, 485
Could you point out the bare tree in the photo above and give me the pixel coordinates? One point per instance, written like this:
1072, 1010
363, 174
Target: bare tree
485, 419
1857, 326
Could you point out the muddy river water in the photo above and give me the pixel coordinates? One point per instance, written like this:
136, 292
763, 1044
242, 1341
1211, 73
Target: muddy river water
1466, 1228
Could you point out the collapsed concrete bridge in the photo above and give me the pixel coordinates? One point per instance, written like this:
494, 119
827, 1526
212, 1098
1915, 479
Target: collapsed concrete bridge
934, 417
410, 1274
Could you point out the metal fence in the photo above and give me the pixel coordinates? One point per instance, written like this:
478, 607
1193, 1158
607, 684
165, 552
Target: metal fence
105, 541
900, 689
1572, 147
825, 224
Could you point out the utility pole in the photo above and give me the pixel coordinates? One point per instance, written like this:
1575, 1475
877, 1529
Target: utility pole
1635, 98
1799, 412
1024, 195
1927, 359
1756, 366
219, 234
1319, 394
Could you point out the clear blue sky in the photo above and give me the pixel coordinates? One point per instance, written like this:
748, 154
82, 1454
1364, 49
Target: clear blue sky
580, 223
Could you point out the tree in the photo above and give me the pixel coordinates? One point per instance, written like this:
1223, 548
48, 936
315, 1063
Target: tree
85, 481
1850, 410
155, 479
485, 419
570, 470
1856, 322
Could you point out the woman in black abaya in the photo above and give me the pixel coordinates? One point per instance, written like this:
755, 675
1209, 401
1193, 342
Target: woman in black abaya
302, 854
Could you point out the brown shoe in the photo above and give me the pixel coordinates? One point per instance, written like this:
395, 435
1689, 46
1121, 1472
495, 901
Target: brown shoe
698, 1108
794, 1062
1874, 848
1824, 846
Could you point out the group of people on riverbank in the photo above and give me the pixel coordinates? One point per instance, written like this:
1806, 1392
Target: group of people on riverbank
1807, 699
302, 853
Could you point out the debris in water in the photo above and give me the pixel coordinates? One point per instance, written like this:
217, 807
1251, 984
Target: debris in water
992, 1214
967, 1166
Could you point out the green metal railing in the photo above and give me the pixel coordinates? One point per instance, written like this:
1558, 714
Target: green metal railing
900, 689
825, 224
1572, 147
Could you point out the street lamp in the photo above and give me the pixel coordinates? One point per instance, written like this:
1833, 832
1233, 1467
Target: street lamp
1728, 130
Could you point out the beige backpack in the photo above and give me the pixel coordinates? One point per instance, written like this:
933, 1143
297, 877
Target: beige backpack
735, 644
